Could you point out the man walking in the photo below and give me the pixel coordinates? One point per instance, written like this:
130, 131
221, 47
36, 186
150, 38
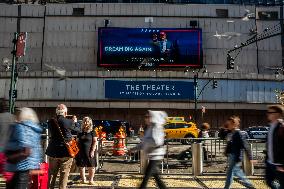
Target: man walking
275, 152
153, 146
59, 158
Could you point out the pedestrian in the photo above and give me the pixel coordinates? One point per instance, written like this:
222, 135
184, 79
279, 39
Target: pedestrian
234, 151
141, 131
87, 142
223, 132
77, 126
204, 133
59, 158
131, 132
275, 153
153, 146
6, 120
23, 149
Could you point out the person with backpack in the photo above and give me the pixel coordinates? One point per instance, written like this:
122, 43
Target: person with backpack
153, 146
275, 153
236, 143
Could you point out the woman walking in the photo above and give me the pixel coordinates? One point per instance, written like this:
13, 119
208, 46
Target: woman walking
23, 148
234, 151
87, 144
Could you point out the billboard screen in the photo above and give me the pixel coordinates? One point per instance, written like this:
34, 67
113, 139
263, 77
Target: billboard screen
150, 47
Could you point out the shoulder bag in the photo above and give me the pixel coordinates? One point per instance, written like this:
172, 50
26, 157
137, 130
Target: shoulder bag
71, 145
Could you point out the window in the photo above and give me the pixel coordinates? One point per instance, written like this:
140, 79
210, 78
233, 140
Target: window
170, 126
180, 125
222, 13
268, 15
78, 11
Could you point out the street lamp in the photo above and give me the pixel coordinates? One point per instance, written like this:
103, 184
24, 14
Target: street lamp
14, 77
195, 84
19, 46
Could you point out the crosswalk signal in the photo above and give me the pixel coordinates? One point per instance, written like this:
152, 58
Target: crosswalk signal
215, 84
230, 62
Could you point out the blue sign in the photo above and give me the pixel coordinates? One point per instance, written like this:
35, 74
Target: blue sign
115, 89
150, 47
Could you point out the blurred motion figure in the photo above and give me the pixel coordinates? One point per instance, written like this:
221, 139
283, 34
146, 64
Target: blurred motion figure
275, 153
153, 146
236, 143
25, 140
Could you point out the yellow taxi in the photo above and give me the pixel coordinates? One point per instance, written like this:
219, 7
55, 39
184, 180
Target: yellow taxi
177, 127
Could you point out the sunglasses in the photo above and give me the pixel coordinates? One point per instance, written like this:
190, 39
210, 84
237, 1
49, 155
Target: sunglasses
271, 112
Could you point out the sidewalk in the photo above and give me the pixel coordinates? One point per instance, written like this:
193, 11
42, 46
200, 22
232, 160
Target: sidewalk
127, 181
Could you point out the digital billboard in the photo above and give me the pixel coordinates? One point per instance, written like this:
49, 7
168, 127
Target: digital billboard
149, 47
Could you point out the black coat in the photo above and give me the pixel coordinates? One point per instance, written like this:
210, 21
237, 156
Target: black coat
237, 144
56, 146
278, 143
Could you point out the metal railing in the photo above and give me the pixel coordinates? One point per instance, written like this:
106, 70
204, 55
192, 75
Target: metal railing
179, 153
178, 157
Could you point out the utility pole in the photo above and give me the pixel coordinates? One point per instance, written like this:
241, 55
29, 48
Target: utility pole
281, 26
195, 95
19, 48
12, 92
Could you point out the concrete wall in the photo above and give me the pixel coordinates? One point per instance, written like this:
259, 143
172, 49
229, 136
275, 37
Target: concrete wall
216, 118
86, 90
59, 38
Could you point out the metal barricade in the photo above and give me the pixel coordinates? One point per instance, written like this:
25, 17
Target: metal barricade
247, 165
195, 156
197, 159
45, 144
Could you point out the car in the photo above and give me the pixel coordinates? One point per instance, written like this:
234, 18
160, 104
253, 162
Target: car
176, 128
257, 132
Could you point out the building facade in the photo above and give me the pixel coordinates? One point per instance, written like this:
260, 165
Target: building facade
66, 36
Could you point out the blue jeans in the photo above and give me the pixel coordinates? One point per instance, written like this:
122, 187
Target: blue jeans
234, 169
272, 175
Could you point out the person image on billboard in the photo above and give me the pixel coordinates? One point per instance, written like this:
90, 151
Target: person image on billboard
166, 48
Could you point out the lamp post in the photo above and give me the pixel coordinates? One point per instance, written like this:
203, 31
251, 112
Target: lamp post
19, 47
195, 84
14, 77
195, 95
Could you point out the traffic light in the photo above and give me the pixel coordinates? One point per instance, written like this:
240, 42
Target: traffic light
230, 62
215, 84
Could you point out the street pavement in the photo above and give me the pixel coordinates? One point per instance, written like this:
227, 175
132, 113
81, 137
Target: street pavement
127, 181
177, 181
